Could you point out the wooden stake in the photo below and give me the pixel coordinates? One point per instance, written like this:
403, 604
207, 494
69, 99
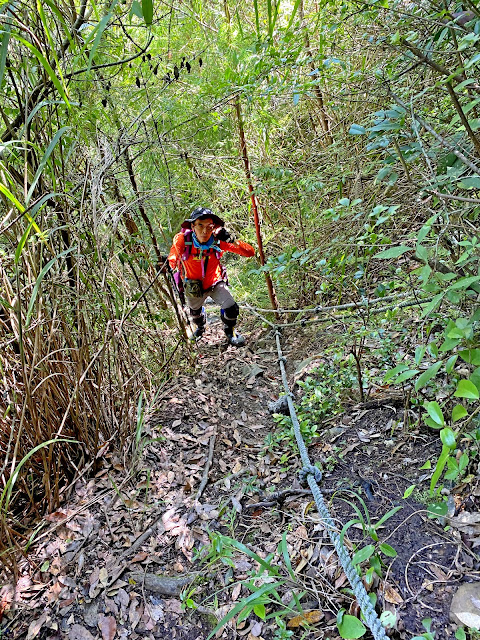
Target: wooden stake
253, 198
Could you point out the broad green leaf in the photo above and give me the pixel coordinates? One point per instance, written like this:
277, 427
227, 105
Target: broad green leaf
406, 375
447, 436
388, 550
391, 373
259, 610
427, 375
435, 510
363, 554
464, 283
427, 465
470, 183
357, 130
422, 253
147, 10
475, 378
431, 423
431, 306
466, 389
435, 412
351, 628
458, 412
472, 356
393, 252
450, 363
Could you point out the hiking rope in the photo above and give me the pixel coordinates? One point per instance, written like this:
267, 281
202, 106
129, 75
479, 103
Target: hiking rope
313, 476
338, 307
351, 305
401, 305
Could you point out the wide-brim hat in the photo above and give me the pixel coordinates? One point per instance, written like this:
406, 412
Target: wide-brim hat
202, 212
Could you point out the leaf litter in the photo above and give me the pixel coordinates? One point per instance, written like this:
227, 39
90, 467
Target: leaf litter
96, 570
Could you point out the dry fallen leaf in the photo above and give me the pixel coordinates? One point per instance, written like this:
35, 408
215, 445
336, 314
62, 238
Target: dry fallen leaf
391, 595
77, 632
307, 617
108, 627
35, 626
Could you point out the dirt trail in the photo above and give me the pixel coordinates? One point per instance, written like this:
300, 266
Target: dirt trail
84, 579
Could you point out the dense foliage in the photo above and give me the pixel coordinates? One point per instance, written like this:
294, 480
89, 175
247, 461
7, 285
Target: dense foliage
361, 124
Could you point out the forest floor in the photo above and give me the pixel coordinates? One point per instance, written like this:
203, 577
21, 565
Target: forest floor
91, 572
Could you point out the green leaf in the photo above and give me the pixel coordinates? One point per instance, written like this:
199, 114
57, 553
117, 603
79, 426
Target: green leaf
472, 356
431, 423
357, 130
458, 412
147, 10
466, 389
406, 375
388, 550
391, 373
44, 62
435, 412
259, 610
363, 554
470, 183
421, 252
393, 252
44, 161
45, 565
447, 436
431, 306
351, 627
464, 283
409, 491
4, 49
427, 465
437, 509
460, 634
450, 363
427, 375
38, 282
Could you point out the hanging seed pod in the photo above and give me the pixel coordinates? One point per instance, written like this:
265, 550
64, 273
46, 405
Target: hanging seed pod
200, 62
80, 104
137, 82
176, 72
104, 102
182, 64
143, 58
108, 86
187, 64
149, 56
155, 71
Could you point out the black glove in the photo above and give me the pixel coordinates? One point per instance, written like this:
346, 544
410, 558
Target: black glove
164, 266
225, 235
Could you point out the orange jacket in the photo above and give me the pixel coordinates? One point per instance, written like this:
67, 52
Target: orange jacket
191, 268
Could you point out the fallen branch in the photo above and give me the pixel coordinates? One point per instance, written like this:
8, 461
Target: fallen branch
166, 585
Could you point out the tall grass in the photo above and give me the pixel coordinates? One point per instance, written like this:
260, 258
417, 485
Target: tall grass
77, 348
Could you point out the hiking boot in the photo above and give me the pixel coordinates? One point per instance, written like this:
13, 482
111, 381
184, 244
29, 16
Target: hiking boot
198, 333
235, 339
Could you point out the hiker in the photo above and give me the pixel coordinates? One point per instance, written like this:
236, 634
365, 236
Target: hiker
195, 254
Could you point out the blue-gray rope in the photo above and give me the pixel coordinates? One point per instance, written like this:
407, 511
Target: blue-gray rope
313, 475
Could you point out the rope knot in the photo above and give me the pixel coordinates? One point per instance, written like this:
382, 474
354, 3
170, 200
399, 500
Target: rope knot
310, 470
